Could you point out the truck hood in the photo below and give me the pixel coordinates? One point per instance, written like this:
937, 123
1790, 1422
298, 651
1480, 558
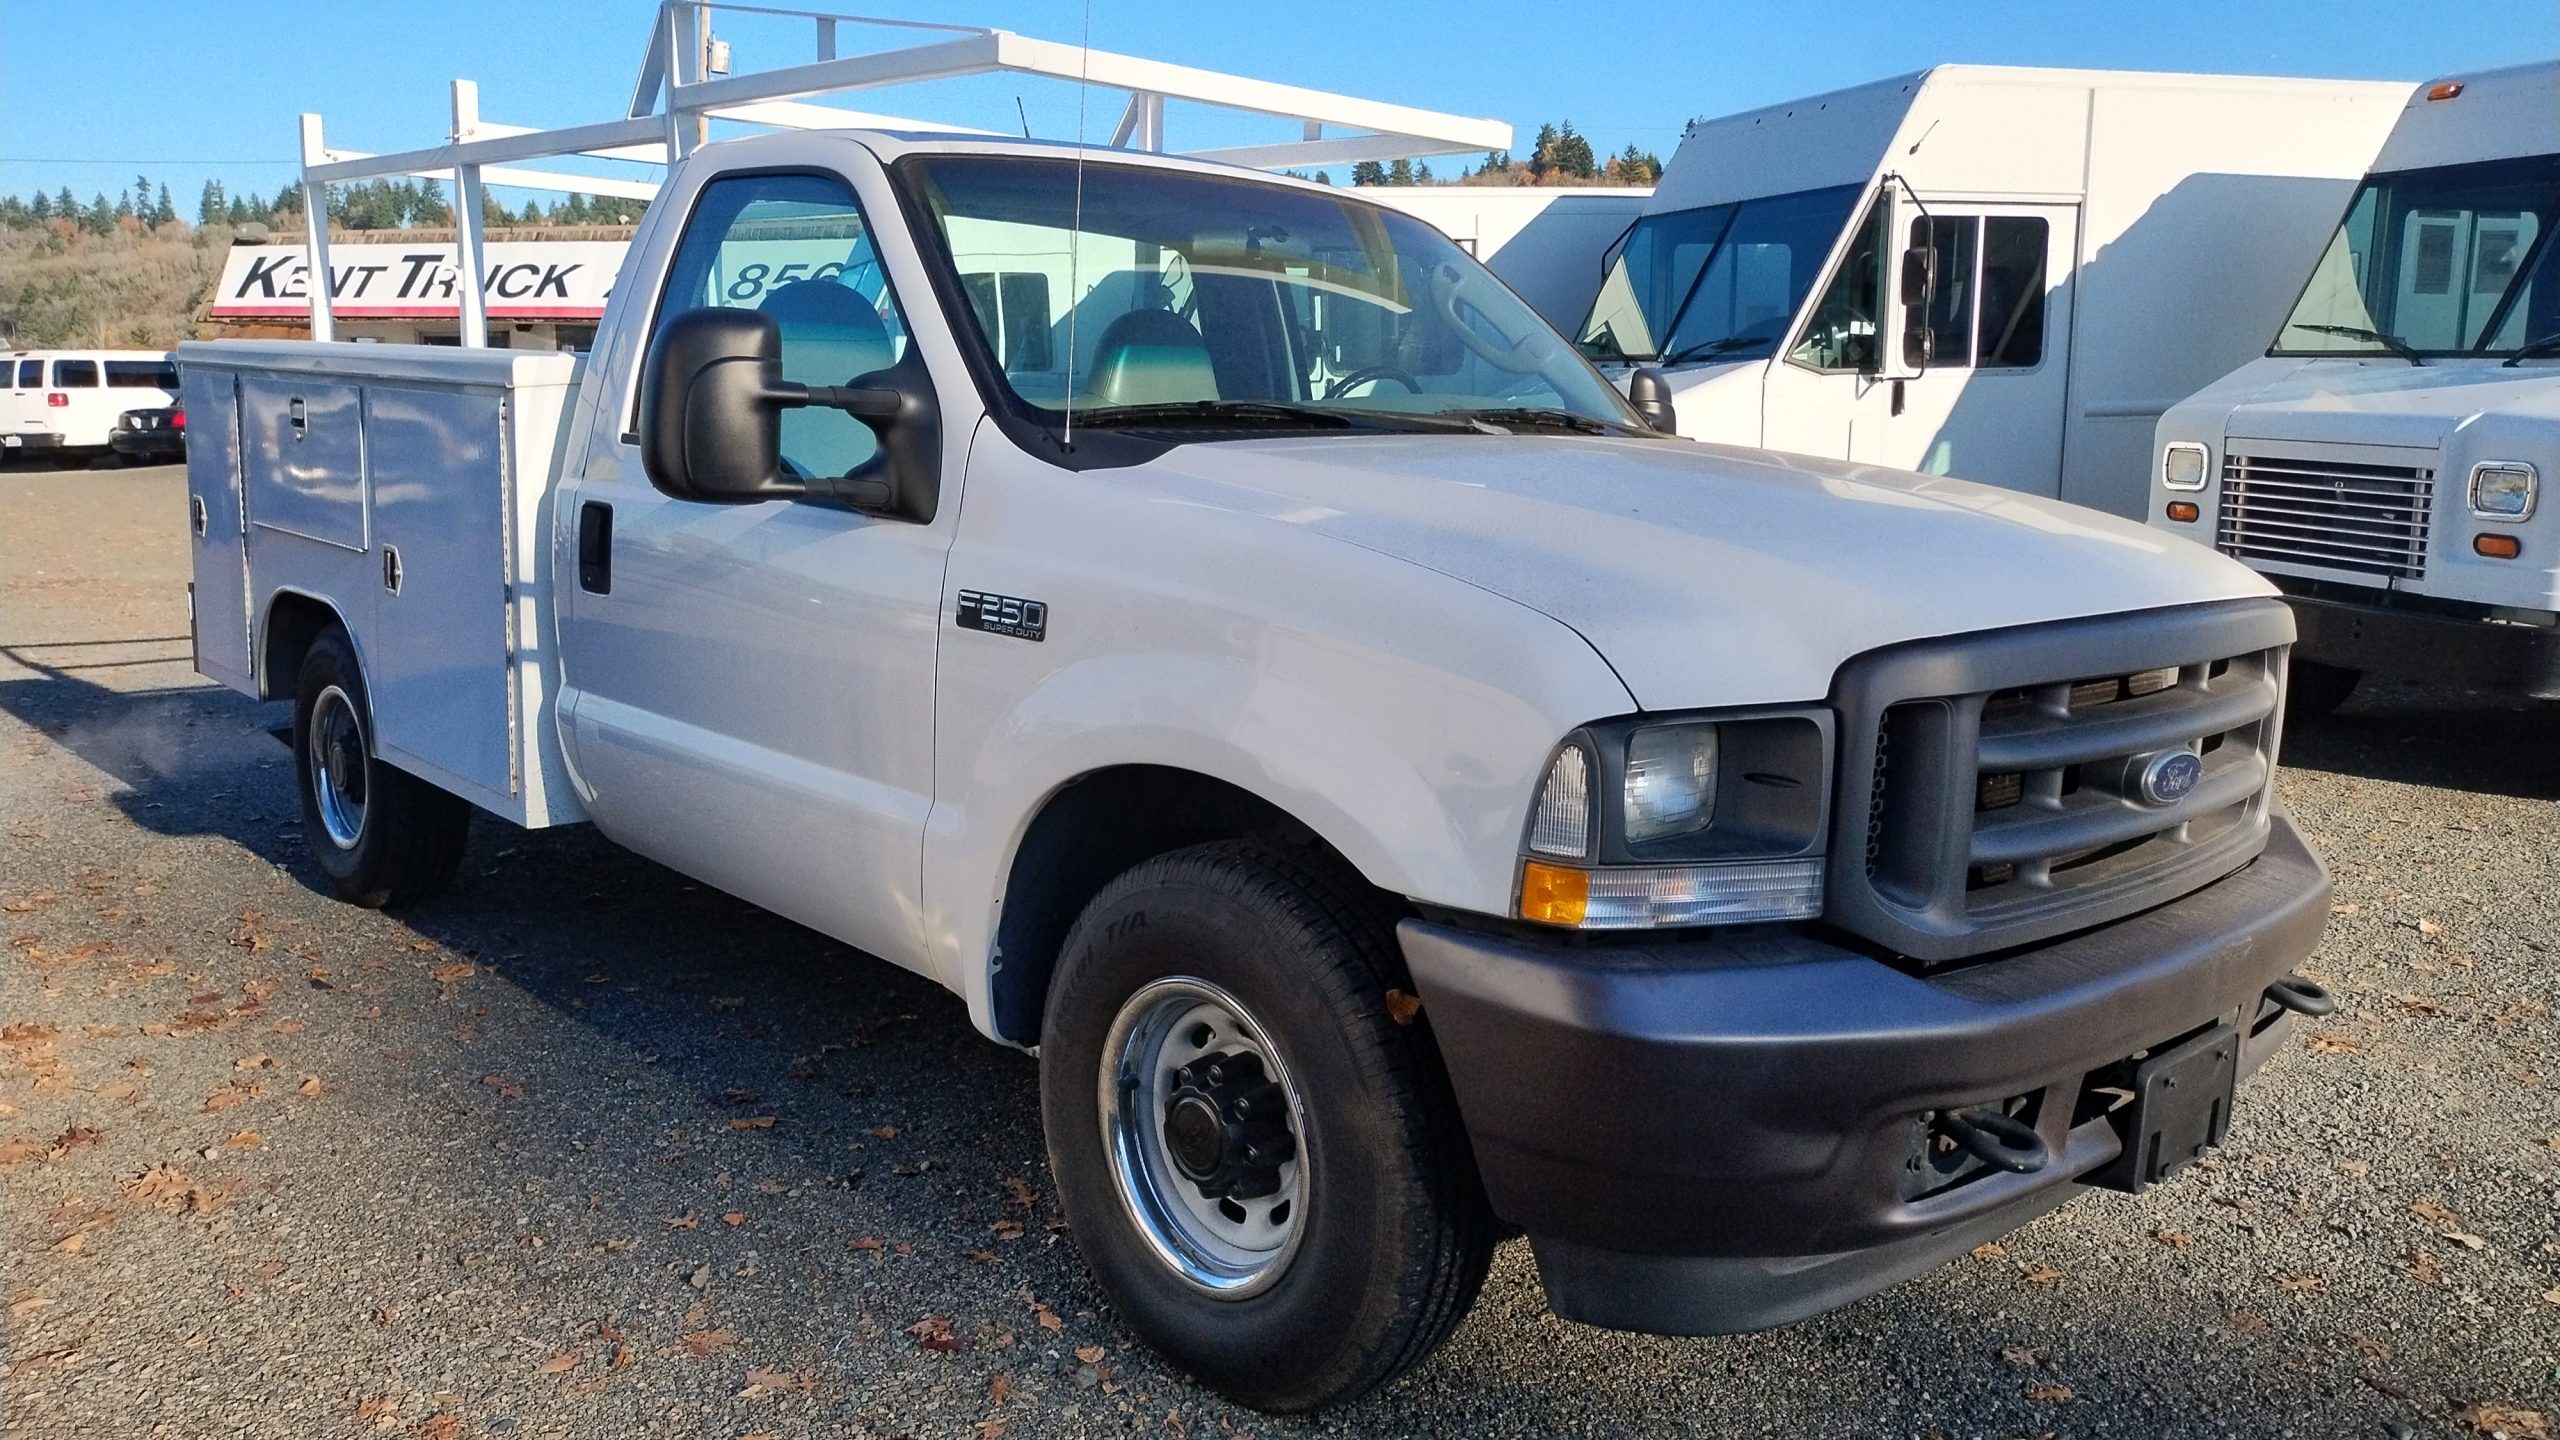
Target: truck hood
1707, 575
2386, 402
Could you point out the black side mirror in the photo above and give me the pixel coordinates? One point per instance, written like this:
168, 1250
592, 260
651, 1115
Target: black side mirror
1650, 391
711, 403
1919, 276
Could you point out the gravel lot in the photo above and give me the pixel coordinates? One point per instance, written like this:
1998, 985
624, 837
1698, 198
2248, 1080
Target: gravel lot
587, 1149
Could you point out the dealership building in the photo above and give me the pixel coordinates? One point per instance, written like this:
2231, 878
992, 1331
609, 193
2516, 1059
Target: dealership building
545, 289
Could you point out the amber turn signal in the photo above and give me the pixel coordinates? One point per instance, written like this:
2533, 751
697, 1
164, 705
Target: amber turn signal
2445, 90
1554, 894
2497, 547
2183, 511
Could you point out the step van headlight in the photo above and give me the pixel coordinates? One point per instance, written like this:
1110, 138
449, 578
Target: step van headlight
1709, 820
2184, 465
2504, 490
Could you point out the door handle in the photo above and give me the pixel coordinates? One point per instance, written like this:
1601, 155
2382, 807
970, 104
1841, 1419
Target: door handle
391, 569
195, 512
595, 547
300, 415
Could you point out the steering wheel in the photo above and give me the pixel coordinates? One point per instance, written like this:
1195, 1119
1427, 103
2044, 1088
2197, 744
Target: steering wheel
1397, 373
1450, 288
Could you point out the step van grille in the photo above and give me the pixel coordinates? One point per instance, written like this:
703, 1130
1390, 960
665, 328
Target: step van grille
2334, 514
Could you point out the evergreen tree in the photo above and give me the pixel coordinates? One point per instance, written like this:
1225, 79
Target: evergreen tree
1498, 160
1324, 177
162, 211
1422, 173
65, 207
532, 213
209, 205
41, 207
1542, 156
240, 213
1573, 153
1368, 172
1401, 172
102, 216
124, 205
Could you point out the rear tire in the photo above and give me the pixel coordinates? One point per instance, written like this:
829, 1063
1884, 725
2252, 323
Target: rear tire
1384, 1237
384, 837
2313, 689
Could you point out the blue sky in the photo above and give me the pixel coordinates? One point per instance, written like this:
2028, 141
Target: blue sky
92, 91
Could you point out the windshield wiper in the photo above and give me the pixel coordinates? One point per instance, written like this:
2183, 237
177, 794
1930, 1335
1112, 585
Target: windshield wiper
1536, 417
2392, 343
1705, 349
2538, 345
1215, 412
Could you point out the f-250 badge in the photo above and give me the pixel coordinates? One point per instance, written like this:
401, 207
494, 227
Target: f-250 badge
1004, 615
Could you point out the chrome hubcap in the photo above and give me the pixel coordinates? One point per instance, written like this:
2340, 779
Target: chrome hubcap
338, 772
1206, 1136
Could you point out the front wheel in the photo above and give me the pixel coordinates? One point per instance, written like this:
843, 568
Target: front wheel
1263, 1167
2313, 690
383, 836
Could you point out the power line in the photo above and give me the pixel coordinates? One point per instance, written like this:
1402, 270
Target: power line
153, 160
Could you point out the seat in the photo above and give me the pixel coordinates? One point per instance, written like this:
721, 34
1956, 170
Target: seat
1151, 357
830, 334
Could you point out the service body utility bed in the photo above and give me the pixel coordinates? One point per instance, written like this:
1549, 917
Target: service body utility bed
406, 489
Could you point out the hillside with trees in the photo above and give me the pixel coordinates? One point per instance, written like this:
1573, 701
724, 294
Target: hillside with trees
1561, 155
131, 271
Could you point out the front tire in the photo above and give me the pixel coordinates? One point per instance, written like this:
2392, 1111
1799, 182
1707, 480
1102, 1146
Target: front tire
384, 837
1264, 1169
2313, 690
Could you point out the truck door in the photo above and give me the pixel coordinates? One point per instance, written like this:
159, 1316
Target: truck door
1973, 380
749, 688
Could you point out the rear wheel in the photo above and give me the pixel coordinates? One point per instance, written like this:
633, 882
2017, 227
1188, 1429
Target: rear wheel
2313, 690
1263, 1168
383, 836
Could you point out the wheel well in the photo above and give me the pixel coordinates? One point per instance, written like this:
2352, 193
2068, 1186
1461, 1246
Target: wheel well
1089, 832
293, 622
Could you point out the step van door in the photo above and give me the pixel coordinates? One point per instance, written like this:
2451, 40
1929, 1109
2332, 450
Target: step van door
218, 595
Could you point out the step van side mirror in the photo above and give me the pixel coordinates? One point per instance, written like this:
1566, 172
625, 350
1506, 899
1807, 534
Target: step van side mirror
711, 403
1649, 390
1919, 288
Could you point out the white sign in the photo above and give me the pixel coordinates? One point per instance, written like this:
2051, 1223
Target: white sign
522, 280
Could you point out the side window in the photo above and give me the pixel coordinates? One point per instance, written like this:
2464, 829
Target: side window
75, 374
2013, 286
1842, 333
795, 247
1950, 318
30, 374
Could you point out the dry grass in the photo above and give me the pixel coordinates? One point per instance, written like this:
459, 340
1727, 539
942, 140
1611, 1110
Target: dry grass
129, 289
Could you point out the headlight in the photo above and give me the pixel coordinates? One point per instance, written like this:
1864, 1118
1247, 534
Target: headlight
2184, 465
1671, 781
1681, 822
2503, 490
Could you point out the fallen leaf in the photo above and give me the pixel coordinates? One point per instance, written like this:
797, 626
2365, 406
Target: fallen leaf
2434, 1213
1007, 1229
2039, 1273
982, 1257
439, 1427
686, 1221
30, 1305
245, 1140
230, 1095
1991, 1251
933, 1332
2510, 1421
702, 1344
373, 1407
2048, 1392
2304, 1282
254, 1062
2249, 1322
993, 1427
454, 973
507, 1089
868, 1242
17, 1150
734, 1219
1021, 1191
2325, 1043
2429, 927
999, 1389
2465, 1239
2423, 1265
884, 1132
560, 1364
28, 904
310, 1086
2174, 1239
753, 1122
1401, 1007
770, 1380
2020, 1356
1089, 1354
1047, 1317
70, 1140
157, 1185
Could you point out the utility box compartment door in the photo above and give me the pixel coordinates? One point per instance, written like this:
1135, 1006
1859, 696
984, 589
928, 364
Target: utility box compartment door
441, 658
302, 454
217, 539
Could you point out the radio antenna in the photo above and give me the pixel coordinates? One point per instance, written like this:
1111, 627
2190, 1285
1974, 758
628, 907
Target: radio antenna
1075, 230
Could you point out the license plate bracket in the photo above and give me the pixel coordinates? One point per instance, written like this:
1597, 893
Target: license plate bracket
2181, 1108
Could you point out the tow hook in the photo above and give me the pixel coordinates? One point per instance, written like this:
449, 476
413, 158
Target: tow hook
1997, 1139
2302, 997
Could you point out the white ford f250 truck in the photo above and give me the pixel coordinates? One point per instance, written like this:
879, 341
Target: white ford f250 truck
1194, 616
2388, 463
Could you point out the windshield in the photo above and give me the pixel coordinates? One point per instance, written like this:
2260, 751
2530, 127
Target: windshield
2454, 260
1717, 282
1160, 296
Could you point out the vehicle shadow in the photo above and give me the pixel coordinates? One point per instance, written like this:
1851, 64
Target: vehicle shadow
2450, 739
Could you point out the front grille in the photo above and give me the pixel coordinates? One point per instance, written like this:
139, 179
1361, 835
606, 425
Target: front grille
2335, 514
2013, 808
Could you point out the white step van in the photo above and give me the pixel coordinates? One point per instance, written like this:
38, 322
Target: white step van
66, 401
2000, 274
2389, 462
1222, 634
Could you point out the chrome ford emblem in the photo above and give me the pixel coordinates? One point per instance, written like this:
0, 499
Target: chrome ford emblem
2168, 776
